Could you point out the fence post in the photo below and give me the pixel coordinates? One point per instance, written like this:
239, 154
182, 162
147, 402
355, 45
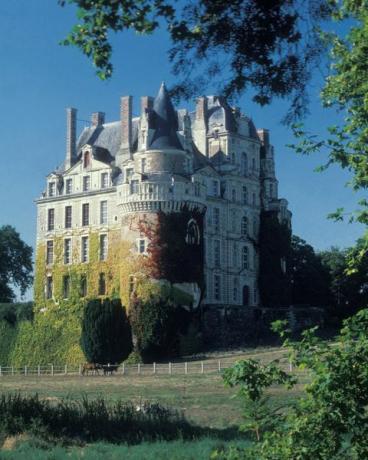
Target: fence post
186, 367
123, 369
202, 367
170, 370
66, 369
139, 368
154, 368
219, 366
12, 370
0, 372
52, 369
25, 370
80, 369
290, 366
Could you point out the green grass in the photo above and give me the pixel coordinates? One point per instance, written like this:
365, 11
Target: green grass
162, 450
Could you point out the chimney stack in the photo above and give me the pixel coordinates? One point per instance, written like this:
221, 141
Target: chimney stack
201, 108
264, 136
71, 132
146, 103
126, 123
97, 119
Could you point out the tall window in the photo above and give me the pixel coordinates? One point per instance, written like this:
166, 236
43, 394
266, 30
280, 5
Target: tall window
66, 286
233, 220
84, 249
142, 246
103, 247
245, 195
244, 164
134, 186
101, 284
215, 188
216, 219
245, 258
217, 287
69, 186
253, 164
83, 286
233, 194
49, 287
67, 250
52, 188
104, 180
235, 289
217, 254
86, 183
103, 212
85, 214
51, 219
49, 252
68, 217
244, 226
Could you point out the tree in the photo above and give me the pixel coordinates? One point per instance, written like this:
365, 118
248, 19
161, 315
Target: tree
345, 90
269, 46
329, 422
310, 279
106, 335
15, 264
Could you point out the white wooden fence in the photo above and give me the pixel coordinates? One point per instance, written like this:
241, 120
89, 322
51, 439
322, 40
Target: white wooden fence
178, 368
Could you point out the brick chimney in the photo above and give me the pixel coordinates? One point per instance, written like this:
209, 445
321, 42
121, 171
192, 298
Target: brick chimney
201, 108
71, 132
126, 123
97, 119
146, 103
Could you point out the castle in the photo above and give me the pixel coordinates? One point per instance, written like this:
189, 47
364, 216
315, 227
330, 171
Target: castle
166, 197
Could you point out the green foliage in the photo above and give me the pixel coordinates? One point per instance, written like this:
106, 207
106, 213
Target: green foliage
156, 324
331, 421
90, 420
283, 33
106, 336
274, 246
191, 342
15, 263
251, 378
15, 312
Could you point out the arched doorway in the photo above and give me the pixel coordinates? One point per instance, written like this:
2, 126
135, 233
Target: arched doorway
245, 296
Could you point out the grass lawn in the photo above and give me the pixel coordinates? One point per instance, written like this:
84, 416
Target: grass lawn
202, 398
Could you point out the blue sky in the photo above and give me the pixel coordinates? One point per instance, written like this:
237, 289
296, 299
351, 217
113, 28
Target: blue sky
39, 79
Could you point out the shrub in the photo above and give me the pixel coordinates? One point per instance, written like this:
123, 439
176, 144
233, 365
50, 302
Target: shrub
157, 323
106, 335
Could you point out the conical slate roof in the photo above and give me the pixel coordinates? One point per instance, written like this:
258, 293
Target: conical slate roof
163, 119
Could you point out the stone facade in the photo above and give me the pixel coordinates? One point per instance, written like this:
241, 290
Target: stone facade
166, 196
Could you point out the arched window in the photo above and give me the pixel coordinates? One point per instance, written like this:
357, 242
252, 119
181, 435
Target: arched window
244, 226
244, 164
193, 235
245, 258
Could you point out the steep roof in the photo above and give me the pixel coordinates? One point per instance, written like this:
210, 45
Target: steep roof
163, 119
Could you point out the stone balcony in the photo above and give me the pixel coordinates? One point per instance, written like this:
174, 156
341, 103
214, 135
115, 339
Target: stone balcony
160, 195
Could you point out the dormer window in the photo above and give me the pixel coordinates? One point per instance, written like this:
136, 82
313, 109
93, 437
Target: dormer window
86, 159
52, 189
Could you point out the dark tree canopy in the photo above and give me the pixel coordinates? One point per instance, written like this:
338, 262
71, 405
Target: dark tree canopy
310, 279
106, 336
15, 264
269, 46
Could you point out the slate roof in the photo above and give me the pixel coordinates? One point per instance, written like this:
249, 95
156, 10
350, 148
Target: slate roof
163, 119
